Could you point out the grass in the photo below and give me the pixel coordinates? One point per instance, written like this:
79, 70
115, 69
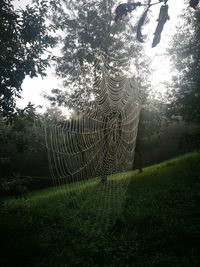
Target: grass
158, 224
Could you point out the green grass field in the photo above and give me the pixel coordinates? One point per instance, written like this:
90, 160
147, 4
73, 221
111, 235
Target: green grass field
158, 224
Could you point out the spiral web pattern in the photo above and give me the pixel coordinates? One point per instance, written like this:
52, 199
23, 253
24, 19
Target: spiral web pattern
96, 142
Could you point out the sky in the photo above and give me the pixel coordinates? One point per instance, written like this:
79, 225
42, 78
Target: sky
33, 89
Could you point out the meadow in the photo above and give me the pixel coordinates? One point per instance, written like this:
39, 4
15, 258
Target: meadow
157, 225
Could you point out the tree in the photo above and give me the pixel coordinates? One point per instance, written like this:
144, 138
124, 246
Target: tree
24, 38
87, 30
23, 153
184, 97
150, 126
90, 35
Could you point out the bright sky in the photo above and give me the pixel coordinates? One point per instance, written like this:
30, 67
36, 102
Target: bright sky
34, 88
160, 62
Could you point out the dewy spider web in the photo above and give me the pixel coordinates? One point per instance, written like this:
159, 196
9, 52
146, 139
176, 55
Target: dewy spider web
96, 142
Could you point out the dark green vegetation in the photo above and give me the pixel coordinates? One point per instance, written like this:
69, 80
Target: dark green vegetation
185, 54
23, 157
24, 38
184, 97
158, 226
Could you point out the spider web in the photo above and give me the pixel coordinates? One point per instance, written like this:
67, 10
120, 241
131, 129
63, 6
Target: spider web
90, 152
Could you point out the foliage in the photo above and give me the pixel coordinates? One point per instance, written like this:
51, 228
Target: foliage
87, 29
152, 120
185, 97
24, 38
159, 224
15, 186
22, 154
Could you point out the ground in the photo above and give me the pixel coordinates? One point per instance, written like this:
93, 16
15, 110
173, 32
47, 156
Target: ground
157, 224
